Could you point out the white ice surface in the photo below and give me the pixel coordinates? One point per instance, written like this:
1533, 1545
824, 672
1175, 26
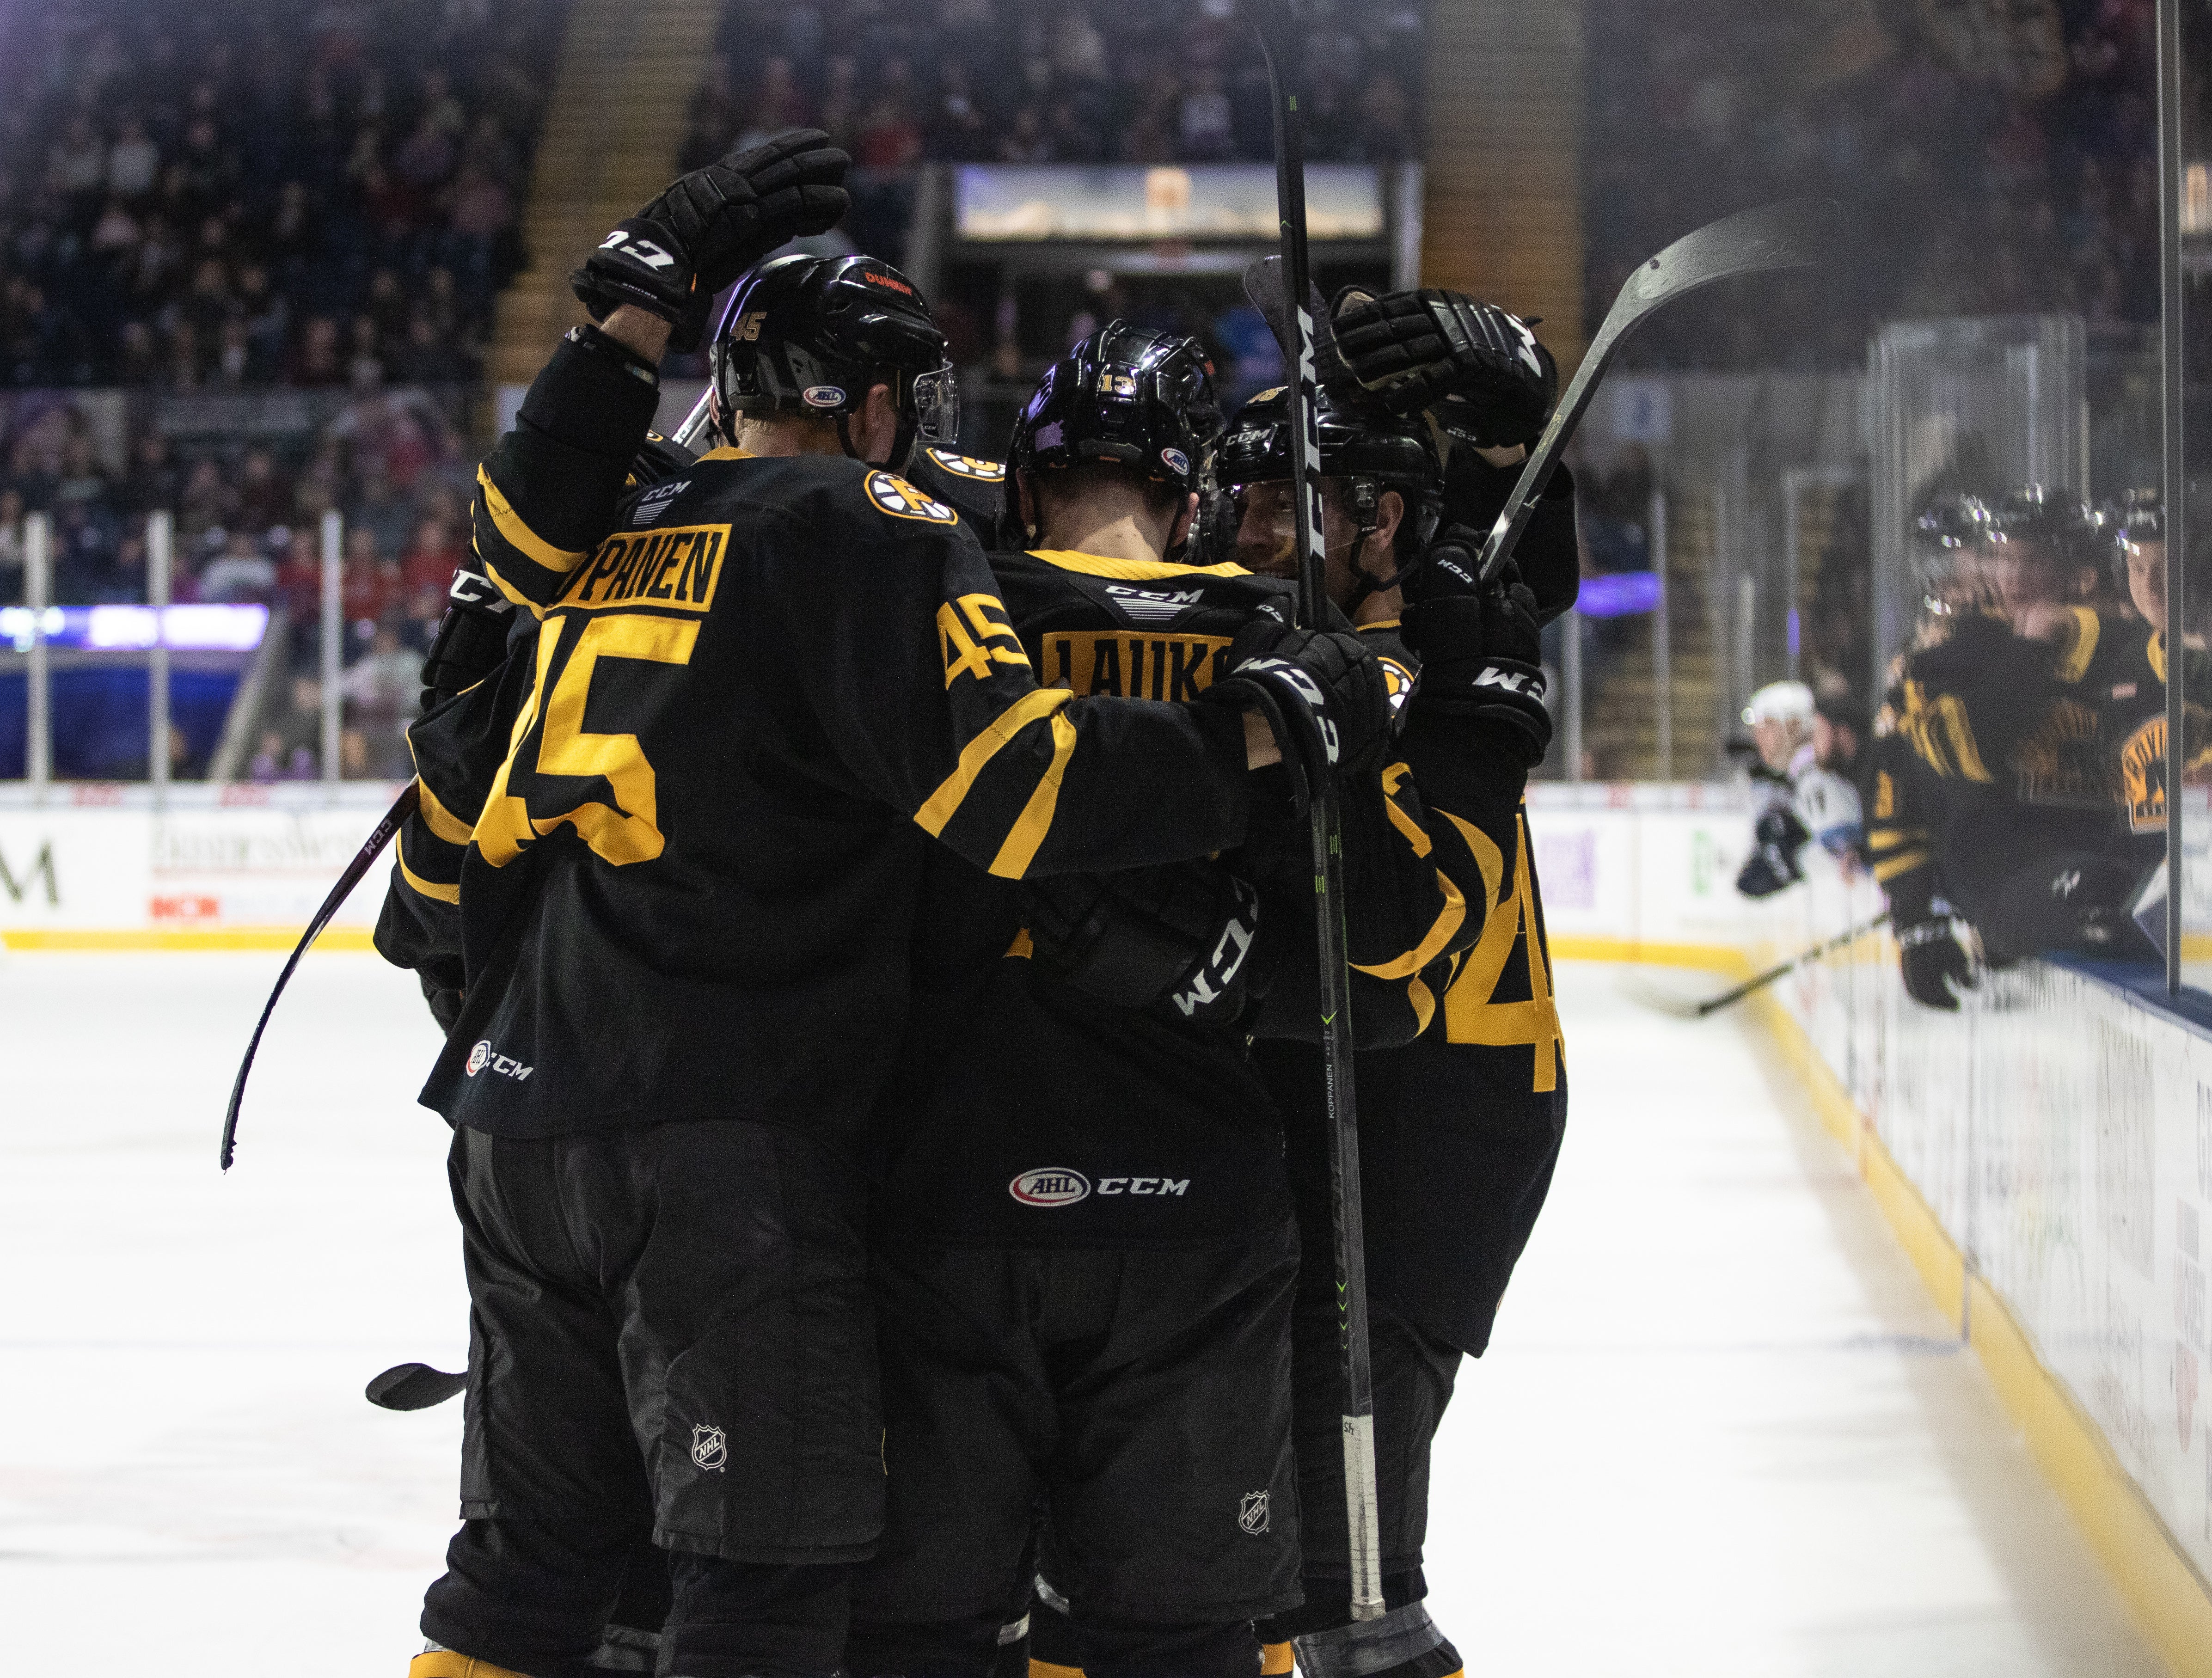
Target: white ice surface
1721, 1432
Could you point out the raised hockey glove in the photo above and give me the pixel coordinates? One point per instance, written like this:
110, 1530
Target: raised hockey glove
1481, 370
472, 638
1936, 969
1173, 939
677, 253
1322, 692
1777, 838
1482, 654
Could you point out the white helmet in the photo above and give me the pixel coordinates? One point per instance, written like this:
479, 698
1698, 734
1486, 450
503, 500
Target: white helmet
1781, 702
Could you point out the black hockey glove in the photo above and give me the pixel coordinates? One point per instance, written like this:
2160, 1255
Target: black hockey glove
1323, 693
1936, 969
1777, 837
1173, 939
677, 253
1481, 654
1490, 383
472, 638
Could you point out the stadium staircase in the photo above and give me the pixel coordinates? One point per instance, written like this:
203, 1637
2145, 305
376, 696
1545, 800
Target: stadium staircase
1620, 706
614, 126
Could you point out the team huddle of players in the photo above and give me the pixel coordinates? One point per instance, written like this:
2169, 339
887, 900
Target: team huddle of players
2015, 785
865, 891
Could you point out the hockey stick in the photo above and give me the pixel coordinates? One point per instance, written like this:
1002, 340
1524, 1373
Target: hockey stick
355, 872
697, 422
414, 1387
1796, 232
1682, 1008
1279, 40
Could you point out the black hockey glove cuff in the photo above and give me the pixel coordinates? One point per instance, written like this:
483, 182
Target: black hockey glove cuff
677, 253
594, 396
1482, 372
1173, 939
472, 638
1482, 658
1936, 967
1324, 696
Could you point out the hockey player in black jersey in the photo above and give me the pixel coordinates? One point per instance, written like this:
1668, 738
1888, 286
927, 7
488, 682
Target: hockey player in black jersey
1995, 795
1083, 1248
1458, 1130
671, 851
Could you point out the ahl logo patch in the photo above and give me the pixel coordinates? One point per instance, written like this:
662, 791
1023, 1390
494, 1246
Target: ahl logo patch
1175, 460
894, 495
822, 396
966, 466
710, 1447
1252, 1513
1050, 1185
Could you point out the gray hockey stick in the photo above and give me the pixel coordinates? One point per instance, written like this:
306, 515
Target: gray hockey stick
1279, 39
1796, 232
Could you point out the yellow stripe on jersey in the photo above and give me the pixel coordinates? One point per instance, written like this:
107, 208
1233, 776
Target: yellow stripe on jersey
1448, 922
1392, 778
945, 802
1020, 849
519, 535
428, 888
1131, 571
1885, 871
440, 820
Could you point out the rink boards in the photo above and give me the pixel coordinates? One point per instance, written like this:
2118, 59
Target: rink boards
2045, 1155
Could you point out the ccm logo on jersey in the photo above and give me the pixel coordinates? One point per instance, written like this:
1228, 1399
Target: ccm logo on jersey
1057, 1185
483, 1054
894, 495
654, 503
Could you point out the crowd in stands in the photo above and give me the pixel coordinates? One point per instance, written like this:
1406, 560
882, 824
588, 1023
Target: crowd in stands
395, 466
252, 192
1993, 160
898, 82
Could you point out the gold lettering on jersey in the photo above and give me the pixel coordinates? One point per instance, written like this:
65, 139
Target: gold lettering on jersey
1092, 663
672, 570
2142, 777
973, 634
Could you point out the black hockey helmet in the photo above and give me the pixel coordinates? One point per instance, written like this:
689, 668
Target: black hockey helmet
1123, 396
1965, 547
1370, 450
810, 334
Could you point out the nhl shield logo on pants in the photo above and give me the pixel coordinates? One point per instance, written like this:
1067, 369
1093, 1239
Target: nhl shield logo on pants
1252, 1513
710, 1447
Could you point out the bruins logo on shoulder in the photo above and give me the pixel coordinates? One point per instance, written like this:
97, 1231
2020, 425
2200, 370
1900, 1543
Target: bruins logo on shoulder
899, 498
966, 466
1398, 681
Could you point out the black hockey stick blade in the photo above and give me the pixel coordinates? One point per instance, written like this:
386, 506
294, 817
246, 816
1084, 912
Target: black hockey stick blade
1795, 232
355, 872
1264, 285
414, 1387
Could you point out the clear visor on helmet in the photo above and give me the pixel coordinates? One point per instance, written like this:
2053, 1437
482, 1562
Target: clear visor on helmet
937, 406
